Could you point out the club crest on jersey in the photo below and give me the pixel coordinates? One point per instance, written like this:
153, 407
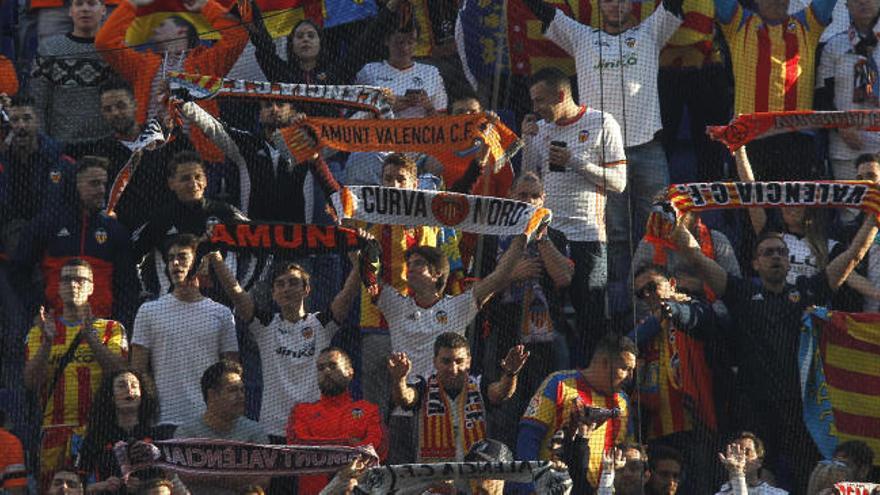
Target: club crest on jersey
794, 296
357, 413
583, 136
418, 81
630, 42
308, 332
100, 235
532, 410
792, 26
450, 209
55, 176
210, 223
441, 317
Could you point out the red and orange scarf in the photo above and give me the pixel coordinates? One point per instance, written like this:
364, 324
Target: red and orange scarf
437, 438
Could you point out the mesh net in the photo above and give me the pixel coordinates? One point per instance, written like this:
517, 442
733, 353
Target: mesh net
284, 176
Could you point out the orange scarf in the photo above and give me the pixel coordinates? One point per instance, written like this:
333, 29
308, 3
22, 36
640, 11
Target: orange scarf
657, 234
744, 128
437, 438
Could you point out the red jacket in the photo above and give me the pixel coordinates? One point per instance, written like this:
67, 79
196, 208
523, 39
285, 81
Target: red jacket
335, 421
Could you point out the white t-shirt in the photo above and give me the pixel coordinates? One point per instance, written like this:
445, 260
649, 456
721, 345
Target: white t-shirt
288, 352
838, 62
839, 17
801, 259
577, 203
601, 57
419, 76
184, 339
763, 488
414, 328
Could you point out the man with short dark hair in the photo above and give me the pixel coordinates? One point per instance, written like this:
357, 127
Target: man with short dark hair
743, 459
189, 213
665, 464
335, 419
182, 323
449, 402
66, 76
224, 396
768, 317
579, 154
66, 481
85, 232
146, 190
66, 356
562, 397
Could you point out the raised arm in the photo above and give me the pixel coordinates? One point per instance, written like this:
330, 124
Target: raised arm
241, 300
542, 11
219, 58
511, 365
711, 271
839, 269
273, 66
500, 276
110, 43
863, 286
342, 302
558, 266
757, 216
402, 394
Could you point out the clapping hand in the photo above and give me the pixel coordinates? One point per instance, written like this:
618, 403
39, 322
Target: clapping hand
399, 366
734, 460
613, 460
46, 321
516, 358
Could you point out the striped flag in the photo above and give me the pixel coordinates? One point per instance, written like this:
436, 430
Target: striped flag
530, 51
840, 378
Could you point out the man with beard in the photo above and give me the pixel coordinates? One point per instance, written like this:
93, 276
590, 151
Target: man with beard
768, 316
223, 392
272, 185
451, 399
335, 419
85, 232
146, 191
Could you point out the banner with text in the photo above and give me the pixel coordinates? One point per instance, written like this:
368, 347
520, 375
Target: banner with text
862, 195
413, 207
407, 478
287, 240
198, 87
214, 457
452, 139
745, 128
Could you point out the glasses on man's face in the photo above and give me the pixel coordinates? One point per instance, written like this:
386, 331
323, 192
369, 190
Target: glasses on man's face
647, 289
781, 251
75, 279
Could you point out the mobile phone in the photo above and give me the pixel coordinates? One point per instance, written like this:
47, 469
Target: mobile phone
560, 144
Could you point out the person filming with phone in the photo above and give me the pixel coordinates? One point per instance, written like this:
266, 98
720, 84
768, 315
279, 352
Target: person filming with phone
572, 398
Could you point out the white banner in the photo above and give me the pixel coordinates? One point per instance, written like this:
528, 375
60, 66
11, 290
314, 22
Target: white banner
414, 478
414, 207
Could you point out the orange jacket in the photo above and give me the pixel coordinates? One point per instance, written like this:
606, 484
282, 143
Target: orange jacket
8, 80
139, 68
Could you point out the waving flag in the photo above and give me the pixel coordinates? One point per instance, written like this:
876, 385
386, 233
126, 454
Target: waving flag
839, 357
338, 12
279, 15
530, 51
479, 36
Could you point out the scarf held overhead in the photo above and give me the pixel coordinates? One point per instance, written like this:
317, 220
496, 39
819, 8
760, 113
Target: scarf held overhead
745, 128
829, 194
152, 137
199, 87
213, 457
415, 207
408, 478
454, 140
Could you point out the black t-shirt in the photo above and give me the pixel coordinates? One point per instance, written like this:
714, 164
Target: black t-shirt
767, 332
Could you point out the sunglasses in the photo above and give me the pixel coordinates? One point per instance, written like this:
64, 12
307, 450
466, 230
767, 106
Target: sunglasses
646, 290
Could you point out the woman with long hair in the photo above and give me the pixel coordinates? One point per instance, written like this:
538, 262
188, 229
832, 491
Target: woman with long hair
126, 409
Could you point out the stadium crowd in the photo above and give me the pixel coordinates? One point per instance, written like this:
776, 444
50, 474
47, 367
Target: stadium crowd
641, 351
